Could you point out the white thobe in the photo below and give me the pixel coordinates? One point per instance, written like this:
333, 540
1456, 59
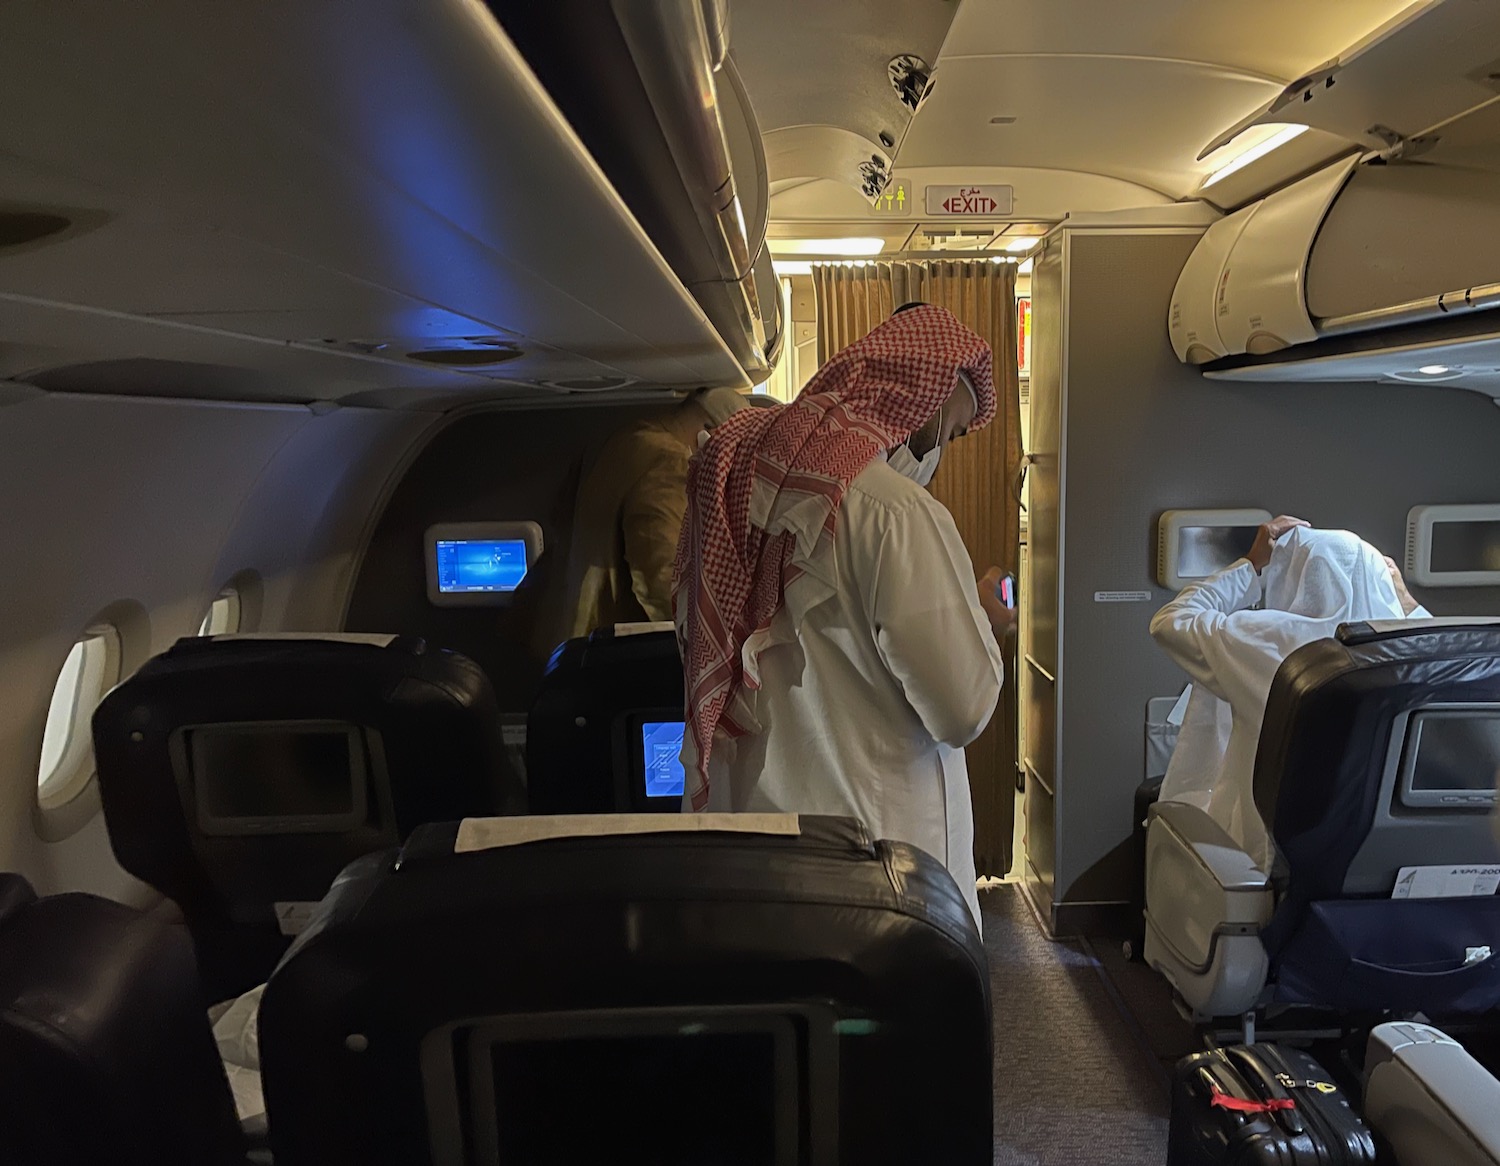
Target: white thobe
865, 707
1232, 653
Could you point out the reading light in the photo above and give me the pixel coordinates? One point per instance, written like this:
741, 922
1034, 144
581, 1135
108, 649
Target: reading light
1025, 243
792, 266
1433, 370
1254, 153
855, 246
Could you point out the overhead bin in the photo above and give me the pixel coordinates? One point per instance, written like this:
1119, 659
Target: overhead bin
661, 108
1400, 88
1404, 258
376, 204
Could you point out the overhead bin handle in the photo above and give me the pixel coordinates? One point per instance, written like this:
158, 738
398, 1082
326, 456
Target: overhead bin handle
674, 45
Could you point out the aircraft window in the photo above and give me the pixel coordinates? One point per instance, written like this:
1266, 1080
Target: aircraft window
67, 762
223, 615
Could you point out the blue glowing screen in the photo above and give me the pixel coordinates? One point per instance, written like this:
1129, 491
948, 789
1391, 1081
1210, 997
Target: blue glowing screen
661, 744
480, 565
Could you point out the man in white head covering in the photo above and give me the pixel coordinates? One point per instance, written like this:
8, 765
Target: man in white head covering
1311, 581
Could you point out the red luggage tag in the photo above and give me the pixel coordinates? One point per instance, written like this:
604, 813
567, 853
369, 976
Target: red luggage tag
1243, 1105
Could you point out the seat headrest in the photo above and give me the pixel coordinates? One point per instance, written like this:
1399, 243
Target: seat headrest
1423, 631
367, 639
621, 630
237, 772
106, 1054
490, 833
855, 959
584, 747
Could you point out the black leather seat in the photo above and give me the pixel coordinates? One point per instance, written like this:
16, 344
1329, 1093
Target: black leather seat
677, 997
239, 775
601, 735
105, 1054
1377, 758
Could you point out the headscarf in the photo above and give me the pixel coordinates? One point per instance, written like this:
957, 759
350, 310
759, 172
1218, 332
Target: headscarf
764, 491
1315, 581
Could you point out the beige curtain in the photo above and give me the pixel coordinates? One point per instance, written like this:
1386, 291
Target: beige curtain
975, 479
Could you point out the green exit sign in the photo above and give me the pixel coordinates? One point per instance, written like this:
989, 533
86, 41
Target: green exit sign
895, 199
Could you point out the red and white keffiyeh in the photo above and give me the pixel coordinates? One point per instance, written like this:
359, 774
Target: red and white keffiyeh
764, 494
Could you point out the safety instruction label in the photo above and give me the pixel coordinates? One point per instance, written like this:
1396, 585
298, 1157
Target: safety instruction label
293, 918
1445, 882
1122, 596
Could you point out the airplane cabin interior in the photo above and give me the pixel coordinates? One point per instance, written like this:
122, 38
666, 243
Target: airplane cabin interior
374, 754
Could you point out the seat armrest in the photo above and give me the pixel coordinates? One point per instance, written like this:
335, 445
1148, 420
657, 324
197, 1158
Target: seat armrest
1231, 867
1206, 902
1432, 1102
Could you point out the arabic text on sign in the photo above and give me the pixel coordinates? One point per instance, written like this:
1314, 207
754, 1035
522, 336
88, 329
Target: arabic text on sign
974, 201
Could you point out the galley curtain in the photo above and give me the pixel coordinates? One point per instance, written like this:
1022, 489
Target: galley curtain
975, 480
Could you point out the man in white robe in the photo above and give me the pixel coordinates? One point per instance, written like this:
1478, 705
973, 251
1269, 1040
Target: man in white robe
1311, 581
835, 637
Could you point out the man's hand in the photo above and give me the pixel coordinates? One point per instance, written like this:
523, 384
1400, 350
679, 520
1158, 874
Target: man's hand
1002, 618
1266, 536
1408, 604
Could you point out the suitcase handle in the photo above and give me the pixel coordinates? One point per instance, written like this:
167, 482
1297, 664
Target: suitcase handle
1271, 1089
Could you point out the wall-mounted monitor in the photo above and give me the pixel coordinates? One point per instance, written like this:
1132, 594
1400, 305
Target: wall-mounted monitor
276, 777
1193, 544
1453, 546
479, 564
1451, 758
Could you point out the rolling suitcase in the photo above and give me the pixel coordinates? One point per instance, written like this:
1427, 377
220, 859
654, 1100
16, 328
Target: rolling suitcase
1262, 1103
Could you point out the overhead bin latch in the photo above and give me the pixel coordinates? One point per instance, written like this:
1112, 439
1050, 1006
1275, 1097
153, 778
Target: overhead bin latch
910, 77
1399, 147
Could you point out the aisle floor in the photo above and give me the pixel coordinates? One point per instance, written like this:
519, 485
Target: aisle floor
1074, 1084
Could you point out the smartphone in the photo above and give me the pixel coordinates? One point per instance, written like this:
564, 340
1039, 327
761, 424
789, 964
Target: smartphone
1005, 590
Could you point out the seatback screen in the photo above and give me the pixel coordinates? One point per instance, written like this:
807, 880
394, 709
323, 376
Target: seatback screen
1452, 758
661, 761
689, 1099
466, 566
673, 1087
283, 777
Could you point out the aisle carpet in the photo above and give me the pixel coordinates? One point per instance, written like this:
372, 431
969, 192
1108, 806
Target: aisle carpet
1073, 1084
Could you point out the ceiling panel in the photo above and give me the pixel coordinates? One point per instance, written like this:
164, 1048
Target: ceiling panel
1274, 38
1139, 120
1136, 91
825, 63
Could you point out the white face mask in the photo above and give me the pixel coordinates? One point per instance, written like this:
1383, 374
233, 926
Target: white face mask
904, 462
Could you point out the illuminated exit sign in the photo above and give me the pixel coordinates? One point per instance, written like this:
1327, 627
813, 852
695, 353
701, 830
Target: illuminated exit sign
895, 199
983, 202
